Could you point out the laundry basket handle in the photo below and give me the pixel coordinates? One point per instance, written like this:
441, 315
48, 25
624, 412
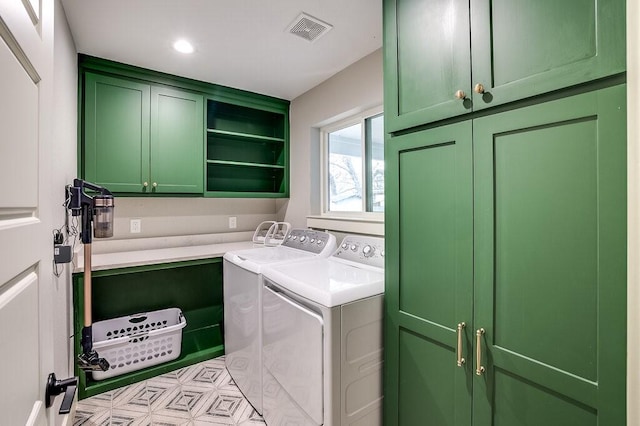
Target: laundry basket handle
137, 320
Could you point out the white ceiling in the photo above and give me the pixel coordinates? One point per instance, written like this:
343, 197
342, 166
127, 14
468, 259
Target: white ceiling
238, 43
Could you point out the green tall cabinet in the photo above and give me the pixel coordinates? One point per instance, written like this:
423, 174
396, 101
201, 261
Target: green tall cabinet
505, 227
142, 138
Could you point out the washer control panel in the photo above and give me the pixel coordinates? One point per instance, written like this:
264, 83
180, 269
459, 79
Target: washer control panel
309, 240
362, 249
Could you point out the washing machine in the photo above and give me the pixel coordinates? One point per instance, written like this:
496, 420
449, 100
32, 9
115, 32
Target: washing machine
322, 338
242, 290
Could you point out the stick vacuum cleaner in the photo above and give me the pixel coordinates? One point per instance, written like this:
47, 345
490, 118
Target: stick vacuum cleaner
96, 209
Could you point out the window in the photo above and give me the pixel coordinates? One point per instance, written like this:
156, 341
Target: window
353, 164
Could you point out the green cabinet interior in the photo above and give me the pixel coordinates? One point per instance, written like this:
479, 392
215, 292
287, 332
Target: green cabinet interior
141, 138
247, 149
145, 132
514, 49
514, 223
193, 286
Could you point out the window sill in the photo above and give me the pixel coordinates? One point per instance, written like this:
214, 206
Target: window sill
356, 225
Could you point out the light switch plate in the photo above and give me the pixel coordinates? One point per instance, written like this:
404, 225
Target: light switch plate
233, 223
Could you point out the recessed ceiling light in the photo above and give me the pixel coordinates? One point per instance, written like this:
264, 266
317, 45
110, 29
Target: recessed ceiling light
183, 46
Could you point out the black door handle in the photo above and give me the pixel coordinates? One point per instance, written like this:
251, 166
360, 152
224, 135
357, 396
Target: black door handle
56, 387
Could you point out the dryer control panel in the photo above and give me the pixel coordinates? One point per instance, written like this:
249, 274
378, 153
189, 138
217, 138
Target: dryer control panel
317, 242
362, 249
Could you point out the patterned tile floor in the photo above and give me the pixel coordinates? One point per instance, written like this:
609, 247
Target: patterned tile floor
199, 395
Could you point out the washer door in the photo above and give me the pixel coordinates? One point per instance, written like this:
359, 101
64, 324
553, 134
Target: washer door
293, 347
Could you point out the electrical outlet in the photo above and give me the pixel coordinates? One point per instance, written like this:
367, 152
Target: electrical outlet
135, 226
233, 223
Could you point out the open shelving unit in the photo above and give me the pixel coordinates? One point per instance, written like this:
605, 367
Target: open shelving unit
247, 150
193, 286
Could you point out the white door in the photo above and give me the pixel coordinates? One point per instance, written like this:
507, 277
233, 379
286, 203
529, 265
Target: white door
26, 344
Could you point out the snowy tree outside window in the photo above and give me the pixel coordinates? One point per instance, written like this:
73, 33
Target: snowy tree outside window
356, 167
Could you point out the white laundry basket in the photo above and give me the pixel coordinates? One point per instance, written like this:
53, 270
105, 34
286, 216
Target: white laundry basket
138, 341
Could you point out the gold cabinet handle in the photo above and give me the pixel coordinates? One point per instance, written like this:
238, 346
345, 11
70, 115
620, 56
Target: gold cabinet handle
479, 88
460, 94
479, 367
145, 184
155, 184
460, 360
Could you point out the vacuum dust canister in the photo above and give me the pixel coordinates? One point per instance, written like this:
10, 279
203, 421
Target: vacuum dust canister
103, 211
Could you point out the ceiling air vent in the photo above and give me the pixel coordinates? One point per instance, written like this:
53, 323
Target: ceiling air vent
308, 27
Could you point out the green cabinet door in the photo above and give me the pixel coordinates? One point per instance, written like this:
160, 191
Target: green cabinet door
522, 48
177, 141
116, 133
427, 60
429, 273
550, 262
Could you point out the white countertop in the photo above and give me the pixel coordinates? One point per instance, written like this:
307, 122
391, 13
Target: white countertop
150, 256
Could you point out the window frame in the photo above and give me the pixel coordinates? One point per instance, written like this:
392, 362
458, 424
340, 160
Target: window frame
360, 118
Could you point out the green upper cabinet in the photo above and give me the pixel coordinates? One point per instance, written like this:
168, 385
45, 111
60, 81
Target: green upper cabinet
115, 141
446, 57
427, 61
177, 133
140, 138
146, 132
522, 48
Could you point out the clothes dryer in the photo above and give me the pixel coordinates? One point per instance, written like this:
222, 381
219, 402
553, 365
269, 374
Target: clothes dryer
242, 289
322, 338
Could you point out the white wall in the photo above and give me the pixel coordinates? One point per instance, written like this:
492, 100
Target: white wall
355, 89
163, 217
62, 166
633, 197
